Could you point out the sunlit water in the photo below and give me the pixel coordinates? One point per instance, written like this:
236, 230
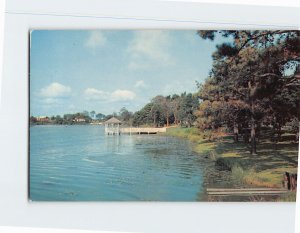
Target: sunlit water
82, 163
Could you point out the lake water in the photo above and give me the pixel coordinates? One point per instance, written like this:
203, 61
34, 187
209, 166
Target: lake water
82, 163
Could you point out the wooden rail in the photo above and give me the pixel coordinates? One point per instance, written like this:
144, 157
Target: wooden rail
245, 191
131, 130
289, 184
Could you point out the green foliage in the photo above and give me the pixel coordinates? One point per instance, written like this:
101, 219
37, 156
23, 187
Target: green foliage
254, 81
148, 115
188, 105
100, 116
167, 110
125, 116
189, 133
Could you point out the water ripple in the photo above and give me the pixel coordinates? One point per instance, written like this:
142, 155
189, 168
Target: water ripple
81, 163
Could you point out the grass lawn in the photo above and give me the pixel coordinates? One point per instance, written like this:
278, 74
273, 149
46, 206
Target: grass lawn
265, 169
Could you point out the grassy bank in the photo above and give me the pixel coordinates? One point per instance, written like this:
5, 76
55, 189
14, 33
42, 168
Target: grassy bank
202, 144
265, 169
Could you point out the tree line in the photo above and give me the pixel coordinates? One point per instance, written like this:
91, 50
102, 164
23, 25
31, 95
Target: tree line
69, 118
167, 110
160, 111
254, 82
163, 111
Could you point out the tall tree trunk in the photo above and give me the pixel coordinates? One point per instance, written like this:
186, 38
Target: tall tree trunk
154, 120
236, 132
253, 140
279, 132
167, 119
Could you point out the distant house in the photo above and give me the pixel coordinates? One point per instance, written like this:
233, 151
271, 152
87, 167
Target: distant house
79, 119
42, 119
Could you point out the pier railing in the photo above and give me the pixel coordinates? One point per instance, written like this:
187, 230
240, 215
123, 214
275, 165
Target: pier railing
134, 130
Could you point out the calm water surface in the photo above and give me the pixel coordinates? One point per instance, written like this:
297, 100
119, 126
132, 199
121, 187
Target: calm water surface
82, 163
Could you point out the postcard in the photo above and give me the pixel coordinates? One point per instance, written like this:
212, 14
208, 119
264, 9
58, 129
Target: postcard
164, 115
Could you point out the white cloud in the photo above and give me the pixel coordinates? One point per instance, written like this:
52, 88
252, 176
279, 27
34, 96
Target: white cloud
95, 39
148, 47
55, 90
140, 83
117, 95
122, 95
94, 94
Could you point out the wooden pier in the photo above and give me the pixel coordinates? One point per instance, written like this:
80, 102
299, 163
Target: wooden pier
131, 130
113, 127
134, 130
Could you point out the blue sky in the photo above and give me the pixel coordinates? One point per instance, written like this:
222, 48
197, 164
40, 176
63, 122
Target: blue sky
101, 70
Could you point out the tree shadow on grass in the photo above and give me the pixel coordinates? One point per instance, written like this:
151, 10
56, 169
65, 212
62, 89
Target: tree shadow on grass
270, 155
